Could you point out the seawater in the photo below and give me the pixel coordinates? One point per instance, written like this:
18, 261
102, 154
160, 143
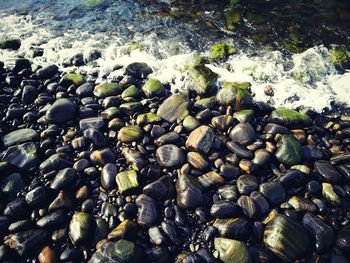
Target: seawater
130, 31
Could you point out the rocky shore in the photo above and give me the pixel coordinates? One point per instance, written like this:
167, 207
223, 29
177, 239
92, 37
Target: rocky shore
125, 171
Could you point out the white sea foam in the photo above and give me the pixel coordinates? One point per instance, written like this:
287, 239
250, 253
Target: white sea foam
308, 79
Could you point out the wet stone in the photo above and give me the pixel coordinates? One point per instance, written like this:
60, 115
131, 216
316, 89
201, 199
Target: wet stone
48, 255
289, 118
147, 211
289, 152
104, 90
343, 239
20, 136
201, 139
125, 230
37, 197
294, 242
225, 209
189, 192
197, 160
174, 108
24, 156
210, 180
232, 251
322, 233
108, 175
84, 90
63, 179
54, 162
102, 157
248, 206
170, 155
130, 134
161, 189
80, 227
11, 185
24, 243
94, 122
54, 220
153, 88
243, 133
138, 70
61, 111
117, 252
273, 191
328, 172
247, 184
127, 181
236, 228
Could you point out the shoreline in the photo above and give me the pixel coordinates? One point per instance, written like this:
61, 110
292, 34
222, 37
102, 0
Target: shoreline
126, 171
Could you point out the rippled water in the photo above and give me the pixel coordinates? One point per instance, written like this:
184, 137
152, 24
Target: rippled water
169, 34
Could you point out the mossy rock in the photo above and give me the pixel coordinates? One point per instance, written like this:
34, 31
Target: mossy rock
12, 44
232, 251
153, 88
242, 85
233, 17
72, 78
104, 90
110, 113
190, 123
236, 97
147, 118
121, 251
244, 116
127, 181
222, 50
205, 103
202, 80
131, 92
294, 44
130, 134
290, 151
290, 118
339, 57
80, 227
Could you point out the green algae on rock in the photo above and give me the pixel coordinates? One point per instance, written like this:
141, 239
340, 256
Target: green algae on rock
153, 88
104, 90
236, 97
131, 92
289, 118
80, 227
290, 151
232, 251
286, 238
147, 118
339, 57
202, 80
13, 44
130, 134
222, 50
72, 78
127, 181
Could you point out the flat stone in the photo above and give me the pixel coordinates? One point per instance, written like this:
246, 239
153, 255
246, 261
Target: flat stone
20, 136
174, 108
23, 156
